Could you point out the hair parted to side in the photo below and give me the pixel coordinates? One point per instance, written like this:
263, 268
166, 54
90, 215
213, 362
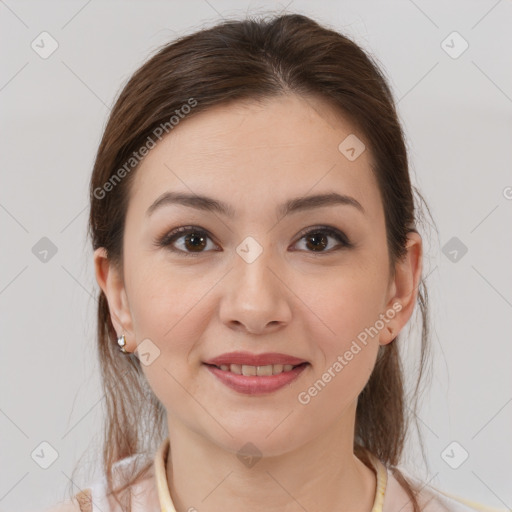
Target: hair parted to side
251, 59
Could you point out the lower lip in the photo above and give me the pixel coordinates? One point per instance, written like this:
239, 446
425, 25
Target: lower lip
254, 385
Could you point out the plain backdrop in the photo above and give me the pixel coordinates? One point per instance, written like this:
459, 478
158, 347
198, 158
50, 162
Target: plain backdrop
449, 65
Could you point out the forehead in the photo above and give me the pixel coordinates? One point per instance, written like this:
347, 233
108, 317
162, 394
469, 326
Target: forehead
253, 154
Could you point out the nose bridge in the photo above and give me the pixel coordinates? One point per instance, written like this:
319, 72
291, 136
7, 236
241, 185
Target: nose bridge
252, 265
255, 296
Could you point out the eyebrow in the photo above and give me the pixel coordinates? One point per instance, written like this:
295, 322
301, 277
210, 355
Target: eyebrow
209, 204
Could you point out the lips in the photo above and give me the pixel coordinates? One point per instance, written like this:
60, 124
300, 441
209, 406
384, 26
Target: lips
256, 384
248, 359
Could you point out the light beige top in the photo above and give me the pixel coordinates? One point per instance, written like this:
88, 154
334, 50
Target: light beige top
152, 494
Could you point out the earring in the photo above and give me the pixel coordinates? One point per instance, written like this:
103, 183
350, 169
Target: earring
121, 341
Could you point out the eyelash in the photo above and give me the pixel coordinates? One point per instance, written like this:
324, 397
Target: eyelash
172, 236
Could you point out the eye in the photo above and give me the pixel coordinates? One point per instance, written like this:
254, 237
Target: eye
317, 239
194, 240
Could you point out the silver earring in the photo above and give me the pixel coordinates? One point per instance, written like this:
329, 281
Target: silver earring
121, 341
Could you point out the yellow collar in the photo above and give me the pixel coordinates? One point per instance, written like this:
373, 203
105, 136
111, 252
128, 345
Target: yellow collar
166, 504
164, 497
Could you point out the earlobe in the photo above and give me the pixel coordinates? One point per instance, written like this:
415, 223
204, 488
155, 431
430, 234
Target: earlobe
405, 285
111, 282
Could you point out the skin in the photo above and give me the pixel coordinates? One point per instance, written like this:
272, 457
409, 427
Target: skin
254, 156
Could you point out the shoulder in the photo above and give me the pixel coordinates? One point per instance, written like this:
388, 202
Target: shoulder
81, 502
430, 498
94, 498
444, 501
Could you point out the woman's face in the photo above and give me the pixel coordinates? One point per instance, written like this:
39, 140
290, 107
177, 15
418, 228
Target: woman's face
251, 279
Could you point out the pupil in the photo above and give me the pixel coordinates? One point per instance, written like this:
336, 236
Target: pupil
200, 240
319, 240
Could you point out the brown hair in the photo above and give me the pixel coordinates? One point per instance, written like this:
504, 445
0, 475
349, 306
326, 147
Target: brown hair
251, 59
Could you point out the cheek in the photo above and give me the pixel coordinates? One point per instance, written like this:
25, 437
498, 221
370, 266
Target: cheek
345, 304
345, 344
166, 306
167, 309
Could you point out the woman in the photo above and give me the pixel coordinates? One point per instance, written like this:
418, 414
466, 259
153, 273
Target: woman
255, 241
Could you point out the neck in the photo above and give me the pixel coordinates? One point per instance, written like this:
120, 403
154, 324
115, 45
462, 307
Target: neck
323, 474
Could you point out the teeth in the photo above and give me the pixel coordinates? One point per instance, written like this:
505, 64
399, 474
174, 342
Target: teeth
249, 370
235, 368
269, 369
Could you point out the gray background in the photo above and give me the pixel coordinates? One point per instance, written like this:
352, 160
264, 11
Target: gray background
457, 115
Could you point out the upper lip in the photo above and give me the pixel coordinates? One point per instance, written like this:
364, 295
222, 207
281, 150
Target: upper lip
254, 359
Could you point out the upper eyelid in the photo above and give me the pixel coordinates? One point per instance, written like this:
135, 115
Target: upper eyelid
186, 229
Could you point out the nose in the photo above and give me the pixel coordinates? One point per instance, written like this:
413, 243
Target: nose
255, 298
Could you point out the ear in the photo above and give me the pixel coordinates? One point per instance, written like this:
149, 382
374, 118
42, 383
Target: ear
403, 290
111, 282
